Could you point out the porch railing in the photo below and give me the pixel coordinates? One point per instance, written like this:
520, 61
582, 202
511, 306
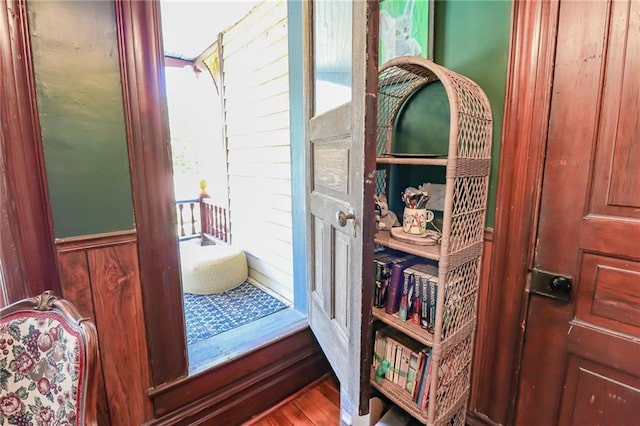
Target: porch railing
202, 218
188, 213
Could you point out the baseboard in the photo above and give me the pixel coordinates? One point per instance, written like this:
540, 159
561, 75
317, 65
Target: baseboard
299, 361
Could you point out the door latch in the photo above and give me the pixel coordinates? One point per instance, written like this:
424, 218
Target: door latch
551, 285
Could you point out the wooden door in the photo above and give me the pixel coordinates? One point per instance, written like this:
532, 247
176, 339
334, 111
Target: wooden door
581, 358
340, 135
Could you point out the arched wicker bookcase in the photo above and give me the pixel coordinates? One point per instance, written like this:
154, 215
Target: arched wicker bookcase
465, 167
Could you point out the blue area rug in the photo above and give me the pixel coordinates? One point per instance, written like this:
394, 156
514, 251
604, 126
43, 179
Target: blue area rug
211, 314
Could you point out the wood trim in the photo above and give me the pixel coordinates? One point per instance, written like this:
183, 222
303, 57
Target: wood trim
241, 388
27, 253
142, 69
94, 241
481, 336
526, 114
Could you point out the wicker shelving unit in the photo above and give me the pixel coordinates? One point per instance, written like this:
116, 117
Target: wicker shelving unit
459, 255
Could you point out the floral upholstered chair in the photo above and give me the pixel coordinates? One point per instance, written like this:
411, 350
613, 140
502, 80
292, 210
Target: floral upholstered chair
47, 364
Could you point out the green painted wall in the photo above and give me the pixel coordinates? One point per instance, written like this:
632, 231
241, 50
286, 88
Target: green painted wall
472, 38
79, 95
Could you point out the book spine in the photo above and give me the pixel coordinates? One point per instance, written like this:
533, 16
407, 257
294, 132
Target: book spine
377, 288
404, 365
406, 294
433, 297
394, 291
390, 358
426, 380
418, 381
415, 306
426, 387
424, 292
412, 372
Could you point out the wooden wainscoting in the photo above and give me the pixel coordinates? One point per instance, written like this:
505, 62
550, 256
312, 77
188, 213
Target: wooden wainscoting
99, 275
235, 391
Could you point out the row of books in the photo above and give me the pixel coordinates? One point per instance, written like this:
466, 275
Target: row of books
403, 361
406, 285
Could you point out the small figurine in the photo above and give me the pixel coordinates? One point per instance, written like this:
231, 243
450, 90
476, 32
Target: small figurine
385, 219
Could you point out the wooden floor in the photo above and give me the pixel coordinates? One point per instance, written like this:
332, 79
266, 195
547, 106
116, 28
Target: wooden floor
318, 404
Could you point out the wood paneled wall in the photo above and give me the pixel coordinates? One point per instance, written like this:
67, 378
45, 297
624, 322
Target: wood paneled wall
100, 276
256, 111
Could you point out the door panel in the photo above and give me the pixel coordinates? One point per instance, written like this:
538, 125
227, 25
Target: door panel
338, 142
588, 226
583, 407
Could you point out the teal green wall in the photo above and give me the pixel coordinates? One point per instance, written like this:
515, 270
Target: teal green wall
472, 38
79, 94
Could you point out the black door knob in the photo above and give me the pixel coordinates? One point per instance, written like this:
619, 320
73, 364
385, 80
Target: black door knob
560, 285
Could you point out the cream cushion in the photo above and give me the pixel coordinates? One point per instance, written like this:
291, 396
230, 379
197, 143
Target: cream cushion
212, 269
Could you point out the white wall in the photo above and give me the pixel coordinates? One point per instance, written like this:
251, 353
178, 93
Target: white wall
256, 91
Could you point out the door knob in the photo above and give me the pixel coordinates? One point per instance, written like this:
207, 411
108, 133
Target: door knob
550, 285
344, 217
560, 284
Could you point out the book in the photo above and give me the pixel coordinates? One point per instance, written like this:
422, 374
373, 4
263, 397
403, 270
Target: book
397, 360
394, 291
425, 379
415, 309
381, 278
415, 361
391, 359
433, 298
407, 292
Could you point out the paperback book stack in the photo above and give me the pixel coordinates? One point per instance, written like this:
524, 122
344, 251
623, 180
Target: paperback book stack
419, 295
405, 363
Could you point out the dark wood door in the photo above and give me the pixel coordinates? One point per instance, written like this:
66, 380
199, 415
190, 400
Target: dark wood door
340, 103
581, 358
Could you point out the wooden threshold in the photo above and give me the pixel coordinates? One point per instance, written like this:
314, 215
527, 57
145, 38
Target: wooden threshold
233, 343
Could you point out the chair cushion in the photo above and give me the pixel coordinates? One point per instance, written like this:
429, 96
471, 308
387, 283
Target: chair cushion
213, 269
41, 375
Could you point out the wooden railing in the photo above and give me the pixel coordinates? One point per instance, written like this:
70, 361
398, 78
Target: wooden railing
191, 222
214, 221
203, 218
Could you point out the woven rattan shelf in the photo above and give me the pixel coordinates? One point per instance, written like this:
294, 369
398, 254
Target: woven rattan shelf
466, 167
414, 161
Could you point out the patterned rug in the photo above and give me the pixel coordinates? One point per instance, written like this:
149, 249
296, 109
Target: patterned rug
208, 315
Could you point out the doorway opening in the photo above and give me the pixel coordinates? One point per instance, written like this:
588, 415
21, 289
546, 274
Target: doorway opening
228, 99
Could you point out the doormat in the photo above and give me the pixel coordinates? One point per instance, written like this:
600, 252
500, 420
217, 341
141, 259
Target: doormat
211, 314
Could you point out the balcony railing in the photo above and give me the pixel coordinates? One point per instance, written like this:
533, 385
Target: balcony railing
188, 214
202, 218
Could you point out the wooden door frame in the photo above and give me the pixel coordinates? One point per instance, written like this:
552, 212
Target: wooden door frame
27, 251
526, 119
142, 70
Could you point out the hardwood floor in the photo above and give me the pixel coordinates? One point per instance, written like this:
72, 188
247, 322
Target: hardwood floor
317, 404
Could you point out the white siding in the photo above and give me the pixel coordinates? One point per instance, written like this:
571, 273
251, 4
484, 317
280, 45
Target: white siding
256, 91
